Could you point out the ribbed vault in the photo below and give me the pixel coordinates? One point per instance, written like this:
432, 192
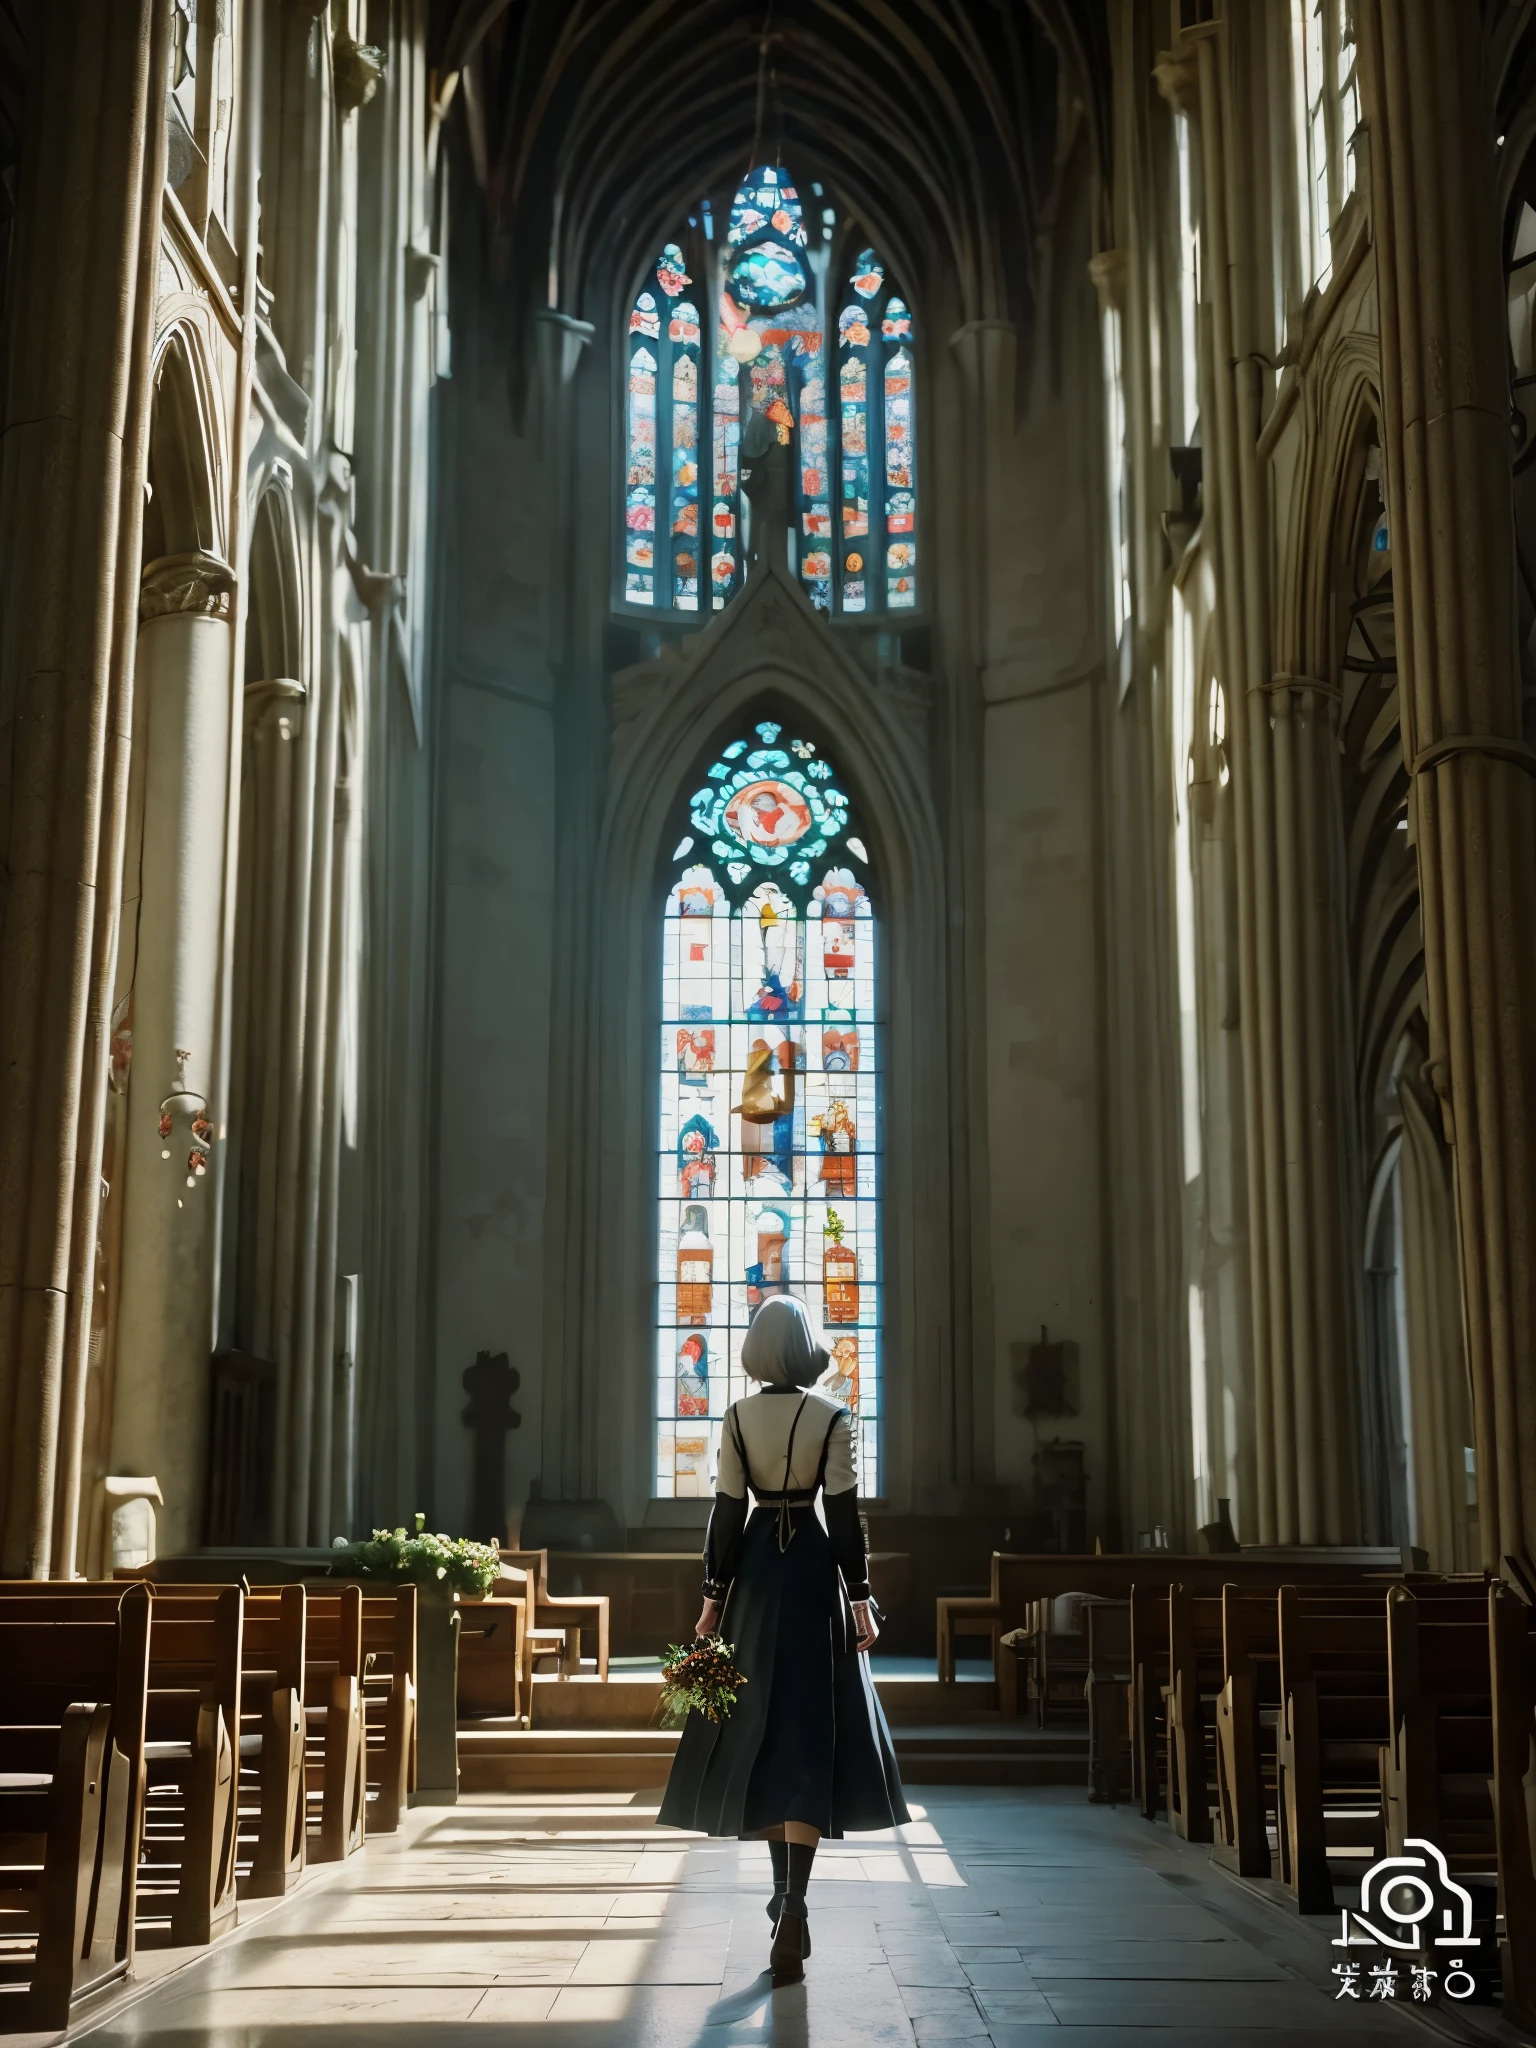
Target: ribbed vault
944, 127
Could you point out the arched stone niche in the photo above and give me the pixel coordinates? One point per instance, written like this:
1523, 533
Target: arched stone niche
768, 654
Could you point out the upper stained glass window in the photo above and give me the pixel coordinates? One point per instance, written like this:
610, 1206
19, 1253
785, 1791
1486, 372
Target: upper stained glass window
770, 1149
772, 352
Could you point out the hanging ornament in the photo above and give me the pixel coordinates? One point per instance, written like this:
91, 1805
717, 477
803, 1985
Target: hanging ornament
186, 1102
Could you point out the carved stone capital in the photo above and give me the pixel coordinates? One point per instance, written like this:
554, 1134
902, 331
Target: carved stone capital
198, 582
1107, 270
1177, 77
358, 69
272, 691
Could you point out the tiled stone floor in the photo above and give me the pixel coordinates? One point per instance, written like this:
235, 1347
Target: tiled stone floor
1017, 1916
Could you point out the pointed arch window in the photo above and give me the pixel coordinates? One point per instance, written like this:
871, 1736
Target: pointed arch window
782, 327
769, 1154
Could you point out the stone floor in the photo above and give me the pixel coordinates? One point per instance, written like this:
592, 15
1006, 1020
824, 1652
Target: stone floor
1003, 1915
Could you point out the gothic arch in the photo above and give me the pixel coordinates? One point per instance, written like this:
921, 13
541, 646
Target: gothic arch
768, 651
274, 644
185, 513
1335, 429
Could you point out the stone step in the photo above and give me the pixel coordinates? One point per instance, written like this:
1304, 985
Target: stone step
629, 1700
501, 1757
498, 1756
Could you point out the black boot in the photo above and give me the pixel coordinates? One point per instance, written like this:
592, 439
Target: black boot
791, 1942
792, 1936
778, 1855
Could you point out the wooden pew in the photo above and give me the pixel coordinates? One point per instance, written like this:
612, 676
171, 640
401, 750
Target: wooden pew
1195, 1679
1108, 1689
1249, 1708
1149, 1695
72, 1706
1437, 1763
191, 1728
334, 1776
1334, 1717
1247, 1718
389, 1704
1019, 1579
1020, 1582
1512, 1657
272, 1742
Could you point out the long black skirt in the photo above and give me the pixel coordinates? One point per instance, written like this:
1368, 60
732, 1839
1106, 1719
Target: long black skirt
806, 1740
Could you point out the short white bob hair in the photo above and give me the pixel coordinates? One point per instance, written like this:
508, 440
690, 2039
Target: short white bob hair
782, 1347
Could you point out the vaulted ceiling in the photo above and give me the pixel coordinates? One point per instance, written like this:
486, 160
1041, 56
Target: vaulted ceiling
950, 128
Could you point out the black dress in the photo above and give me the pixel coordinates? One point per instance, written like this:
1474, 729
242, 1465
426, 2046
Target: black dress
806, 1740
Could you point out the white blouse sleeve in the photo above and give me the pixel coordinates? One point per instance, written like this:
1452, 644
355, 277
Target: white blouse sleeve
730, 1478
841, 1475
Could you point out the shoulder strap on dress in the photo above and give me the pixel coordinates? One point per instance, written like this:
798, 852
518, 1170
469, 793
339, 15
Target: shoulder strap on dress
826, 1445
786, 1519
741, 1448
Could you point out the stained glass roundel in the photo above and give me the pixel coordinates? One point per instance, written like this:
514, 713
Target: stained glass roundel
769, 1146
764, 803
767, 276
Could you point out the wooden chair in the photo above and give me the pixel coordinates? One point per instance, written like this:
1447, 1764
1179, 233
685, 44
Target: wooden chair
964, 1614
73, 1697
191, 1727
495, 1664
1108, 1691
389, 1704
1015, 1671
1061, 1670
1512, 1660
272, 1729
334, 1778
563, 1611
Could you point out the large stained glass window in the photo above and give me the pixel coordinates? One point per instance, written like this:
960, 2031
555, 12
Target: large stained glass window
783, 325
768, 1174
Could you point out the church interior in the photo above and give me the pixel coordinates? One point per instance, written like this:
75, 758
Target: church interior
515, 852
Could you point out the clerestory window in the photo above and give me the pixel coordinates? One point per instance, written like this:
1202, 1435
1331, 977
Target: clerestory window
764, 322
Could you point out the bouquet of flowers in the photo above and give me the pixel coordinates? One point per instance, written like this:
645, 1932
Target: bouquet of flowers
702, 1678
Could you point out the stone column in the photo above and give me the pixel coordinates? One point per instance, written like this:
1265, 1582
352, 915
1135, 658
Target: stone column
1472, 804
1440, 1407
81, 295
164, 1331
1285, 813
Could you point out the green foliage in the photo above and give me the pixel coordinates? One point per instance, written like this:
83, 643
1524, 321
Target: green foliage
451, 1564
702, 1679
833, 1226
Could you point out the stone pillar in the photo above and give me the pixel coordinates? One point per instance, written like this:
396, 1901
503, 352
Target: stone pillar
81, 293
1282, 728
1472, 804
1440, 1408
164, 1331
